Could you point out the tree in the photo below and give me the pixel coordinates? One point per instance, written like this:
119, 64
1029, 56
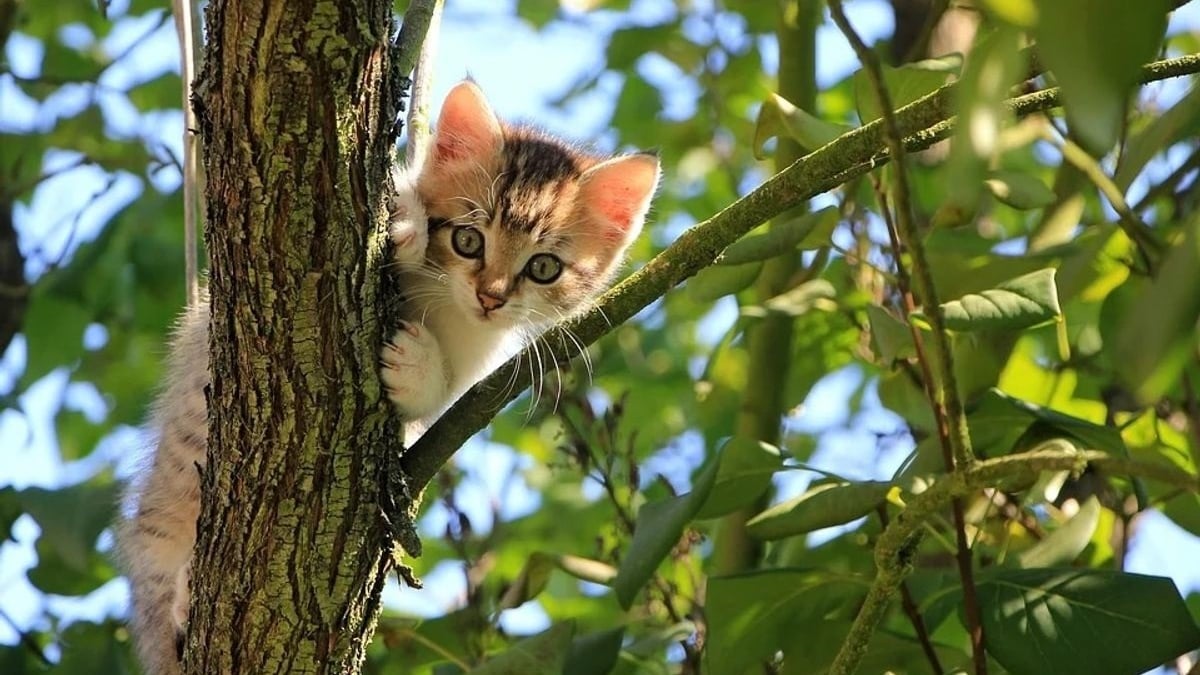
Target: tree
1007, 323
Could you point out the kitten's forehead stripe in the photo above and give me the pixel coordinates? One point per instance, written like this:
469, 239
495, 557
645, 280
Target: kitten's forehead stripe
534, 174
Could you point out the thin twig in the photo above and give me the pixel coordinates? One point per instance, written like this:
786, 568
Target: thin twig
418, 100
27, 640
1169, 184
944, 398
1139, 232
193, 188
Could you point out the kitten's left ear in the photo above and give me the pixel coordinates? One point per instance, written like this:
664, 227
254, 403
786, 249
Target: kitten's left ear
467, 129
618, 191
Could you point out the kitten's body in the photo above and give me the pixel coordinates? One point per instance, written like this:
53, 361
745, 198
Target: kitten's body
550, 223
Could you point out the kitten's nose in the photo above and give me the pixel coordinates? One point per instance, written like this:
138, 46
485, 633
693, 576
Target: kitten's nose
489, 302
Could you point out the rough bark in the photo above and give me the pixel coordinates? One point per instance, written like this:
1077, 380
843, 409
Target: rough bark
296, 119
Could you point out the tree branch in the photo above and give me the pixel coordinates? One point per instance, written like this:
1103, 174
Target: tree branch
921, 123
418, 100
942, 392
897, 545
187, 28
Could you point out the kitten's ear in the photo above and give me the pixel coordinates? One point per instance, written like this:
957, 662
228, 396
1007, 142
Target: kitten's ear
618, 192
467, 129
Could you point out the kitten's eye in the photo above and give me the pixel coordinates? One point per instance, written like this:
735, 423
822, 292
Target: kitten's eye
467, 242
544, 268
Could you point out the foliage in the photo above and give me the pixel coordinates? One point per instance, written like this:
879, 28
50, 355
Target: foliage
1072, 328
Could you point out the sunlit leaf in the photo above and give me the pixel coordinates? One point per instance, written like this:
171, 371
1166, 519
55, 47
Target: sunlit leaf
1083, 620
1158, 333
778, 116
806, 232
905, 84
823, 505
721, 280
890, 336
1026, 301
1063, 545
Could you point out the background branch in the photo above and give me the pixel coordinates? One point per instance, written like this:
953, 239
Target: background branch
187, 26
418, 100
942, 392
921, 124
897, 544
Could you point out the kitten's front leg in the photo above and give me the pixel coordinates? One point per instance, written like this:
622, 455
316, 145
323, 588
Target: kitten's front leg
408, 225
414, 372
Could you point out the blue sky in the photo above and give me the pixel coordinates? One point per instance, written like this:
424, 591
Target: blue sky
532, 68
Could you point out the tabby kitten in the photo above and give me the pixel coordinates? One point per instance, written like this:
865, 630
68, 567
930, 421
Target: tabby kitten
501, 231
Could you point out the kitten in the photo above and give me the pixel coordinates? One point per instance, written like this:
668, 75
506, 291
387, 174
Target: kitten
500, 232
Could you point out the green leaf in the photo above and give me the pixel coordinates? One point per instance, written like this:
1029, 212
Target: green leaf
814, 294
1083, 620
998, 415
807, 232
71, 518
905, 84
594, 653
77, 435
659, 526
1019, 190
1019, 303
823, 505
10, 510
891, 337
718, 281
537, 12
1067, 542
64, 64
164, 92
57, 575
779, 116
53, 333
753, 615
745, 472
1157, 335
1095, 48
535, 575
1181, 121
996, 64
96, 649
542, 654
1021, 13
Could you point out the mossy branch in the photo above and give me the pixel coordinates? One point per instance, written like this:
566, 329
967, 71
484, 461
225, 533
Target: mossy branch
921, 123
898, 542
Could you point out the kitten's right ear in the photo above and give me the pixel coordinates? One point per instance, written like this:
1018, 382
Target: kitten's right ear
467, 129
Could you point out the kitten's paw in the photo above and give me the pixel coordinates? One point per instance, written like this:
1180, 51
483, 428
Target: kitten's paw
179, 603
408, 227
413, 371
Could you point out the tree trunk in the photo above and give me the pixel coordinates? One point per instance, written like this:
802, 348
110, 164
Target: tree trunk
296, 114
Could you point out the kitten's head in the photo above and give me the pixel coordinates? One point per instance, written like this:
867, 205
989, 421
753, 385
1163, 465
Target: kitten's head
527, 228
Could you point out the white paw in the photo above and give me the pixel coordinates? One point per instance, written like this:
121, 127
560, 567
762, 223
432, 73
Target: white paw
413, 371
179, 604
408, 226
